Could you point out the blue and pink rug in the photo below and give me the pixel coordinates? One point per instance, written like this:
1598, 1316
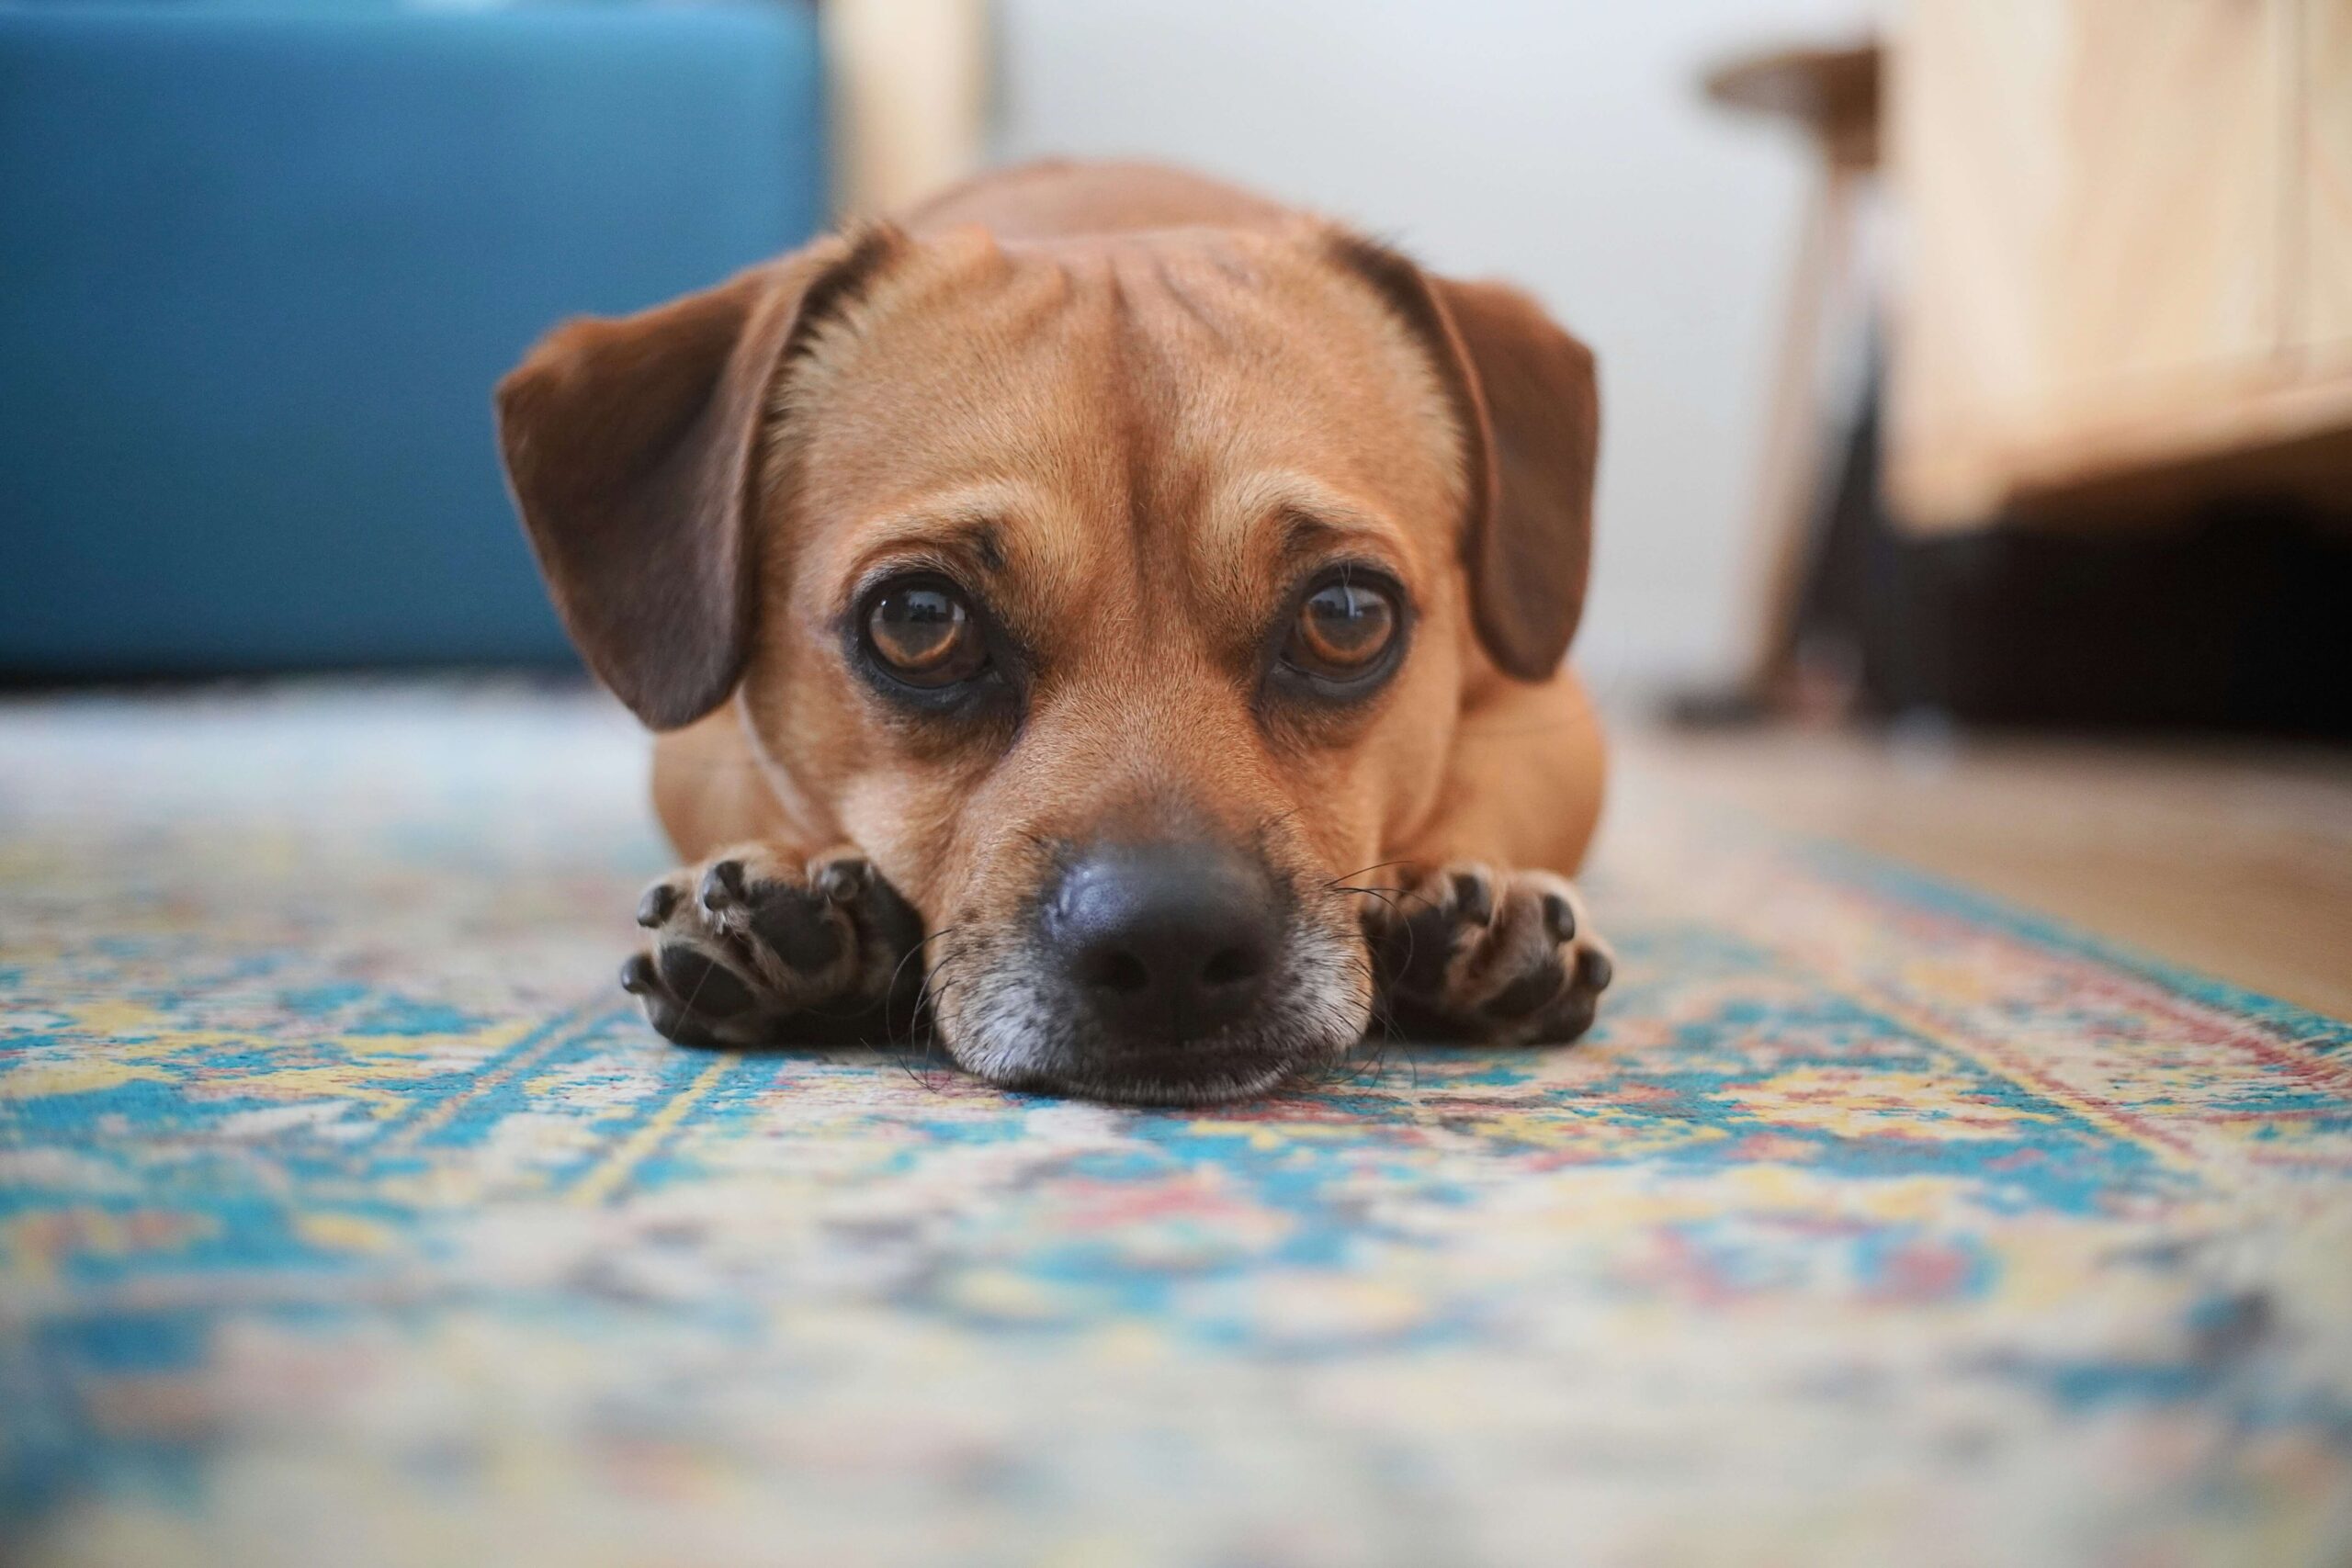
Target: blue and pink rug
347, 1215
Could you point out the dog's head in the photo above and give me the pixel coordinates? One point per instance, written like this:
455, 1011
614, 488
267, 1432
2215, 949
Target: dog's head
1117, 599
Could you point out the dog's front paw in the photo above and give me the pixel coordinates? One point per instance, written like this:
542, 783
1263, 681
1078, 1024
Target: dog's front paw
1506, 954
752, 947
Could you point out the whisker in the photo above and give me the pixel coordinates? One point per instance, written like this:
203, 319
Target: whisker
936, 984
917, 1071
1375, 1063
931, 1046
890, 990
925, 996
1352, 875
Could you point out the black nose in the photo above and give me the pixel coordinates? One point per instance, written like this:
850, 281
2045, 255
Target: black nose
1165, 943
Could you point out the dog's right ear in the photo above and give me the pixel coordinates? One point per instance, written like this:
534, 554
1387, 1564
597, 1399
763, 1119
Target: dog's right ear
631, 445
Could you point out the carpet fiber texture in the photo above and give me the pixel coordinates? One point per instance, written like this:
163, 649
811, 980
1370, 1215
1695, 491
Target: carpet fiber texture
348, 1215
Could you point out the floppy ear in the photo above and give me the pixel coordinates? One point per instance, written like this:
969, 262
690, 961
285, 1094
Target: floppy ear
1528, 405
630, 447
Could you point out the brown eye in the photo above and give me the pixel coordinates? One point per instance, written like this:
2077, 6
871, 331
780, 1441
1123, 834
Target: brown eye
924, 635
1343, 628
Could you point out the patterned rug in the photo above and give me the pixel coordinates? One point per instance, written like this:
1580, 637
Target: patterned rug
346, 1216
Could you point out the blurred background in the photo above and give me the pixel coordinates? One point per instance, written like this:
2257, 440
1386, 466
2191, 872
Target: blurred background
1971, 367
260, 263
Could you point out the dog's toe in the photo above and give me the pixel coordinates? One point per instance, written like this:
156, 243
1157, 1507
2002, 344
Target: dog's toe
1572, 1006
660, 901
641, 977
705, 985
638, 977
1526, 992
1428, 923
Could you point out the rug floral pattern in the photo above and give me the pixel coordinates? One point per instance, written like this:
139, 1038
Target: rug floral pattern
347, 1215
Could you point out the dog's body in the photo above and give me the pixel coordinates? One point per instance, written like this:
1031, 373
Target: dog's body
1154, 595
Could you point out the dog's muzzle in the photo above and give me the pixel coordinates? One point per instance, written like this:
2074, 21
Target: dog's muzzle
1160, 972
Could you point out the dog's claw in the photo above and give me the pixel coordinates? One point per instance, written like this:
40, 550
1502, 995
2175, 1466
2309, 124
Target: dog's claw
722, 886
637, 976
842, 880
1474, 898
1505, 955
1560, 916
655, 907
753, 939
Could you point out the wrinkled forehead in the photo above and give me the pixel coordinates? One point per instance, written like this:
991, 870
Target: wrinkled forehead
1206, 398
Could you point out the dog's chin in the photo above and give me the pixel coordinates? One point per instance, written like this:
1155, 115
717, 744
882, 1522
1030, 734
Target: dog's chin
1014, 1037
1167, 1076
1012, 1030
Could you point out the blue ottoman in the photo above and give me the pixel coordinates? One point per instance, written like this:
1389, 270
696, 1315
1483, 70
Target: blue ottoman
259, 268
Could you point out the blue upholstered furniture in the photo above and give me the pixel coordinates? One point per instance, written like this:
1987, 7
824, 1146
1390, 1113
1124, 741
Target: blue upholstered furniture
259, 266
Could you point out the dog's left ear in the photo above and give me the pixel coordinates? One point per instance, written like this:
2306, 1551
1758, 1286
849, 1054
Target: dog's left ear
1529, 403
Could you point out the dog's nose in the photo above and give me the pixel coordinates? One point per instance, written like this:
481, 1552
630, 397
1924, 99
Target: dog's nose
1165, 941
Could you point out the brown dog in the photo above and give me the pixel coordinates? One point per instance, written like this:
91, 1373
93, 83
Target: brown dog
1155, 596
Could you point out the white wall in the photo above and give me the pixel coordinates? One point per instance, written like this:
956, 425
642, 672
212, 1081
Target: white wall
1559, 143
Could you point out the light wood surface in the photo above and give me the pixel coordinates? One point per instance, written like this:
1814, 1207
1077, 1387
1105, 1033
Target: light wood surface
2230, 859
1834, 95
2164, 257
2126, 243
1975, 109
1790, 491
2323, 282
908, 80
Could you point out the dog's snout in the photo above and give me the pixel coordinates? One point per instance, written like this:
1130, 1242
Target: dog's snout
1165, 943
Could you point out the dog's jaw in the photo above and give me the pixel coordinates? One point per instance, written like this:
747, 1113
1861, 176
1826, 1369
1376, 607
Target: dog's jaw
998, 1013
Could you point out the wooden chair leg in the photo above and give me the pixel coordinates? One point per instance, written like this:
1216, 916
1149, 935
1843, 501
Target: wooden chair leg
1788, 505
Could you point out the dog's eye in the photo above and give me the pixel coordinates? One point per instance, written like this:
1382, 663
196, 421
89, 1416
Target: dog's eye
925, 634
1343, 628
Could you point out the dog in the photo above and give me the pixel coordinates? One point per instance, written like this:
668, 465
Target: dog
1112, 614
